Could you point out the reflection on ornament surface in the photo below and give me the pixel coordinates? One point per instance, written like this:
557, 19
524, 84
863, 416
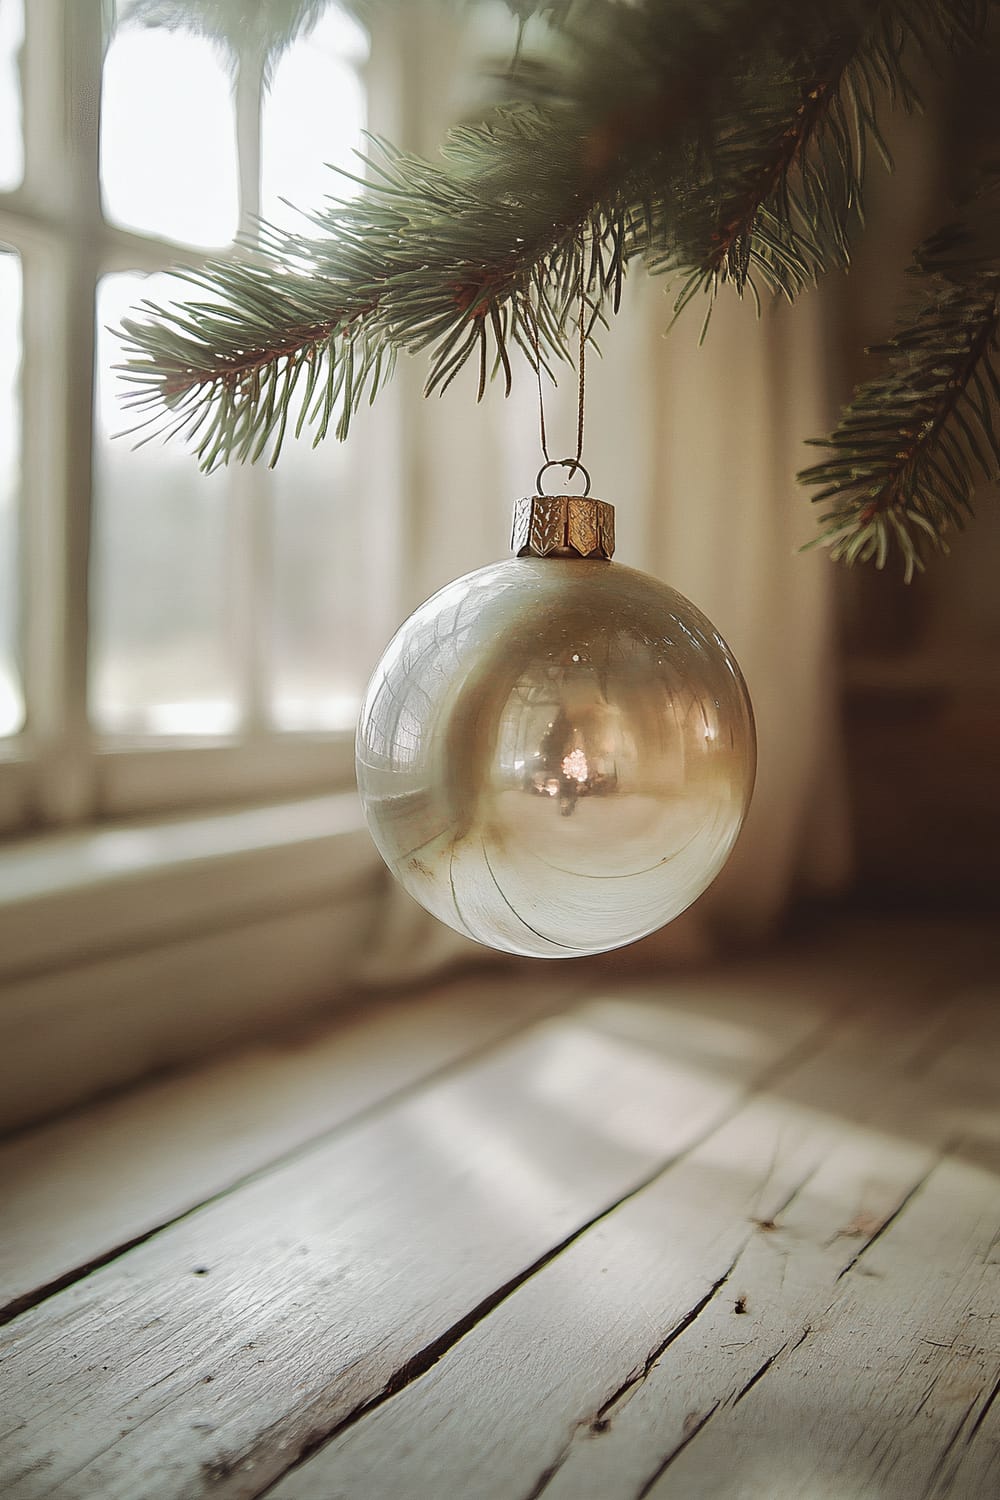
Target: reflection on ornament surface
555, 755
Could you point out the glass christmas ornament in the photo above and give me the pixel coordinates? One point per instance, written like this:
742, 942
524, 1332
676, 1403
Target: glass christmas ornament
556, 752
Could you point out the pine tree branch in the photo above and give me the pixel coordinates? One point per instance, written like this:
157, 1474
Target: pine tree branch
718, 142
393, 271
788, 197
447, 256
912, 443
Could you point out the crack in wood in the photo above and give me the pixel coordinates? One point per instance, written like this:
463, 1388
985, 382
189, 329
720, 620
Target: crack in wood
772, 1223
222, 1468
28, 1300
426, 1358
429, 1356
887, 1222
757, 1375
676, 1452
599, 1422
546, 1477
762, 1371
528, 1407
42, 1293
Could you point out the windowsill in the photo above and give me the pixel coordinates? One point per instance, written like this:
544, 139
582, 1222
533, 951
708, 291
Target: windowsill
70, 895
149, 780
126, 948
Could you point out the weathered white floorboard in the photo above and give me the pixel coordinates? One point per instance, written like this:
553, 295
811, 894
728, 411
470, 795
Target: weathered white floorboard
876, 1392
81, 1188
207, 1359
662, 1316
802, 1304
794, 1283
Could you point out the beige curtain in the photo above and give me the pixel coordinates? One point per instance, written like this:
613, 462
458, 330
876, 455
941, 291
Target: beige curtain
697, 448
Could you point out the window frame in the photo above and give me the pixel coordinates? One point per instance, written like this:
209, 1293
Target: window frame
58, 770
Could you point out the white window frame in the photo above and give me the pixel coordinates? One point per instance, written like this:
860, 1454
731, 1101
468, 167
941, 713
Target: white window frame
58, 771
130, 944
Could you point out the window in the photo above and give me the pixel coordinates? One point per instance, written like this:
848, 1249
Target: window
166, 637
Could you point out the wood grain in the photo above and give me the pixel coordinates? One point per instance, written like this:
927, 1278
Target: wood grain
211, 1356
735, 1235
881, 1392
614, 1353
79, 1190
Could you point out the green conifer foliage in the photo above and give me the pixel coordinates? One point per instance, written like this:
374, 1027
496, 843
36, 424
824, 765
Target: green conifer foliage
720, 143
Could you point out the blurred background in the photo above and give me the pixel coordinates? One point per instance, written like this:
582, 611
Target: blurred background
182, 656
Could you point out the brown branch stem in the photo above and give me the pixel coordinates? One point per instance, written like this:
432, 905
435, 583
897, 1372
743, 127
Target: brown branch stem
787, 151
895, 491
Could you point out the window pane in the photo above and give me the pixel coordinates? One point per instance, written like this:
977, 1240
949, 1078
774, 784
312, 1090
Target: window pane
11, 135
320, 659
11, 695
313, 116
168, 137
163, 658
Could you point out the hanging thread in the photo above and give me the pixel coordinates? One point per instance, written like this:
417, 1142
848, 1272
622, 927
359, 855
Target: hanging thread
574, 465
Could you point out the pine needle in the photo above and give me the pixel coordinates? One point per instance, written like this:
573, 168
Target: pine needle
910, 447
720, 141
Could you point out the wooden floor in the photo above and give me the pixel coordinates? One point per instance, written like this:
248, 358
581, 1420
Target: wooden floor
733, 1234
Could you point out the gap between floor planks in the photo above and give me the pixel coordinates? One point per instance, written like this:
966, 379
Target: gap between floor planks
250, 1326
90, 1185
826, 1273
235, 1469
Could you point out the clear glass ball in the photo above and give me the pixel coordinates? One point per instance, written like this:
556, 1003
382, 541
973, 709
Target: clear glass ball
555, 755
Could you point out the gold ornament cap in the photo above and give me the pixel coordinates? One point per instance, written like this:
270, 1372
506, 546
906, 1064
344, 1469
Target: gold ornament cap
563, 526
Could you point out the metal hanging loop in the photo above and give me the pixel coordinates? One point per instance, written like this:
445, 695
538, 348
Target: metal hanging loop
572, 464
